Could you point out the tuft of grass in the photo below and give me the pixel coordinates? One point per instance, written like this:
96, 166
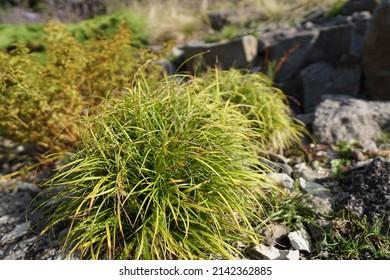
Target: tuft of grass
165, 172
383, 138
265, 105
292, 210
357, 239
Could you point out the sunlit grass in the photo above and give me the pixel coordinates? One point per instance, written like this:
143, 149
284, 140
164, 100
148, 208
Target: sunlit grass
165, 172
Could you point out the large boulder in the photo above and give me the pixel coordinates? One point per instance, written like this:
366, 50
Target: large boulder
332, 43
376, 58
322, 78
345, 119
240, 52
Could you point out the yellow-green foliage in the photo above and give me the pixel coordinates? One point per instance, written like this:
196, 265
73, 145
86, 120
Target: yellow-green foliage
41, 101
164, 172
260, 102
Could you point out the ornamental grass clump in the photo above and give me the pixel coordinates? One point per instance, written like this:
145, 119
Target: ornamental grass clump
165, 172
266, 106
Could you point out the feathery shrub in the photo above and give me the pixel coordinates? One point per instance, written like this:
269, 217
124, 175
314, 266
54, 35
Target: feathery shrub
41, 101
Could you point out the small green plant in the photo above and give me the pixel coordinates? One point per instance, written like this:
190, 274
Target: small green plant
292, 210
345, 148
357, 239
265, 105
383, 137
165, 172
335, 9
228, 32
338, 165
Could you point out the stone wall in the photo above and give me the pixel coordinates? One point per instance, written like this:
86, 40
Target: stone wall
347, 54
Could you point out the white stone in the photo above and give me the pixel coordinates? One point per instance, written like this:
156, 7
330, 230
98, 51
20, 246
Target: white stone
263, 252
314, 188
300, 240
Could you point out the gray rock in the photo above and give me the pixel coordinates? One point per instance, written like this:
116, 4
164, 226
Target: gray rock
294, 50
17, 232
28, 187
370, 147
219, 19
274, 233
358, 35
239, 53
359, 5
376, 59
271, 253
322, 78
313, 188
283, 180
306, 172
350, 119
301, 240
320, 197
325, 47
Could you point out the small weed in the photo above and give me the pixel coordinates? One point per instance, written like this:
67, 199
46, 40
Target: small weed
351, 238
383, 138
294, 211
345, 148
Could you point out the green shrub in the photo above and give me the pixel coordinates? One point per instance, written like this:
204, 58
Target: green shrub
33, 35
266, 105
165, 173
40, 101
108, 25
30, 35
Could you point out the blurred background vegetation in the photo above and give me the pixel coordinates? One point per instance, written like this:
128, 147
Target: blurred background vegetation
164, 20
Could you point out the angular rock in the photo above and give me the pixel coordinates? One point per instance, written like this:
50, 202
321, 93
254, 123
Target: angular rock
239, 53
17, 232
294, 50
306, 172
271, 253
313, 188
219, 19
320, 197
376, 59
358, 36
322, 78
283, 180
325, 47
350, 119
301, 240
359, 5
274, 234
